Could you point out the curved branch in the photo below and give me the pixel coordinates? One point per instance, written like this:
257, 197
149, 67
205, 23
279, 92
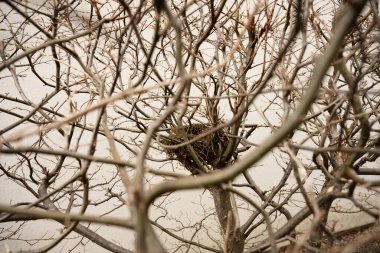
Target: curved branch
343, 27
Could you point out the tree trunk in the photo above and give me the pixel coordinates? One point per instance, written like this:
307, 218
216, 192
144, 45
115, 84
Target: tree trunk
319, 233
233, 236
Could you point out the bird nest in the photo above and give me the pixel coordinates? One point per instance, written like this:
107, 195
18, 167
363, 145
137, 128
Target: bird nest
209, 149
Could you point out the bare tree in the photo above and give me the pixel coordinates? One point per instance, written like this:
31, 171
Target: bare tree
268, 110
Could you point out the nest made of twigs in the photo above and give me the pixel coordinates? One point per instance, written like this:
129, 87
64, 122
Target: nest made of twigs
209, 149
